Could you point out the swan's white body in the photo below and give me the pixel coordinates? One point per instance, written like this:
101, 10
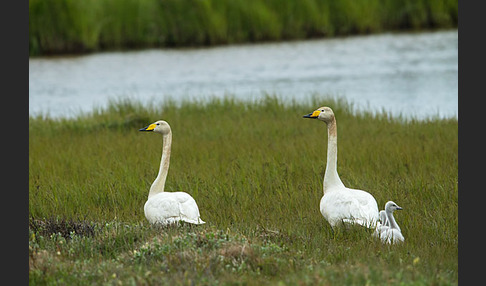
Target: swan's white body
339, 203
391, 235
390, 232
168, 207
349, 206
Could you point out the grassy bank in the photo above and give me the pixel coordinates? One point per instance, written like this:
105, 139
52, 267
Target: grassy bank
66, 26
256, 171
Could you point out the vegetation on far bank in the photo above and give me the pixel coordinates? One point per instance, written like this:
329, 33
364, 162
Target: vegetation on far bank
67, 26
255, 169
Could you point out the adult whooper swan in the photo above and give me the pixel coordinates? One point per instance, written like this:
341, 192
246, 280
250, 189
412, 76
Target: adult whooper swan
168, 207
339, 203
391, 233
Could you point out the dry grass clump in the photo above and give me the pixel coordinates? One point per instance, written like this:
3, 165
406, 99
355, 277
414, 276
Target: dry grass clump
62, 226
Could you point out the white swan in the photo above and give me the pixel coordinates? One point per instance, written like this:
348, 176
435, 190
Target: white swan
381, 225
391, 233
168, 207
339, 203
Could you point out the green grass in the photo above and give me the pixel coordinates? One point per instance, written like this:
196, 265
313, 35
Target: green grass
255, 169
68, 26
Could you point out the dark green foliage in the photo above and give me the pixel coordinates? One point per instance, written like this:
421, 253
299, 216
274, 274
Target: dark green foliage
69, 26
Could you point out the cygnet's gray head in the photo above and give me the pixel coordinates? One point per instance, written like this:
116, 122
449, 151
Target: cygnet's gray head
391, 207
160, 126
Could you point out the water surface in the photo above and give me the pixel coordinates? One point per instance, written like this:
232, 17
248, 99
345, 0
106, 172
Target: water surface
413, 74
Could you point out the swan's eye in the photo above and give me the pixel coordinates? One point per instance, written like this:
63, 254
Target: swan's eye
158, 124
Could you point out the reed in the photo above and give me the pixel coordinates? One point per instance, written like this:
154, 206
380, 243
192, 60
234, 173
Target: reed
68, 26
255, 169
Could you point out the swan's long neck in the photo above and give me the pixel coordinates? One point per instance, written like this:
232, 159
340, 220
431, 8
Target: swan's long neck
391, 220
159, 183
331, 177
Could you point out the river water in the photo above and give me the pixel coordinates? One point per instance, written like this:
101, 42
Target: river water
412, 74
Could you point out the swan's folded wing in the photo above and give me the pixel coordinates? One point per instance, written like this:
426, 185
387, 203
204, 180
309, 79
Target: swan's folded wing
162, 209
350, 206
366, 208
188, 208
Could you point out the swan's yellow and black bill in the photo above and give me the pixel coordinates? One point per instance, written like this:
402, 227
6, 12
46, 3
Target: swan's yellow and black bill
314, 114
151, 127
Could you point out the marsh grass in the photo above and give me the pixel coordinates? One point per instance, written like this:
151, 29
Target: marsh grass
67, 26
255, 169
